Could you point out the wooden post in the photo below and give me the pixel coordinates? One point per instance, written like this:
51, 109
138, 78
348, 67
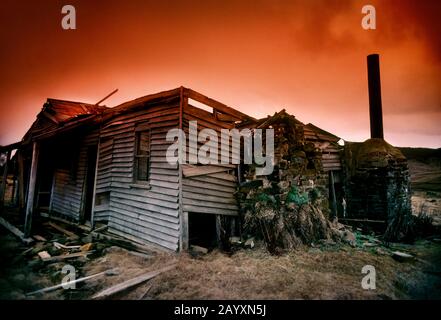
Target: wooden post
183, 216
21, 187
185, 243
51, 200
92, 215
333, 196
31, 189
13, 198
4, 181
218, 231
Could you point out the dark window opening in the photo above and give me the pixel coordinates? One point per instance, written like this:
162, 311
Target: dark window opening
102, 199
202, 230
142, 157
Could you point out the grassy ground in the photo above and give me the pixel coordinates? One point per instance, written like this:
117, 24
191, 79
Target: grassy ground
322, 272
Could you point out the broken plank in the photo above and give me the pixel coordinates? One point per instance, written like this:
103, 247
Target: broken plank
68, 256
39, 238
130, 283
15, 231
44, 255
194, 171
102, 228
68, 284
62, 230
62, 246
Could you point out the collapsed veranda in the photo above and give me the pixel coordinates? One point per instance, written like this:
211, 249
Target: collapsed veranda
89, 164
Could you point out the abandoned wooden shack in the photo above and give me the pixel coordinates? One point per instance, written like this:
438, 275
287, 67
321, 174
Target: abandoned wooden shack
91, 164
88, 163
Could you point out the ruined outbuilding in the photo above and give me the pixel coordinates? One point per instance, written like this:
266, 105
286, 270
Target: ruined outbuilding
88, 164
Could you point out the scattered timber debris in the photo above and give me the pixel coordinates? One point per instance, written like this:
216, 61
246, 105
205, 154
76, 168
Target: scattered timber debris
198, 249
144, 295
39, 238
19, 234
130, 283
110, 272
44, 255
61, 246
63, 230
86, 247
401, 256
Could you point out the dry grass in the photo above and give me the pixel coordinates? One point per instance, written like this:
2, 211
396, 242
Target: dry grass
254, 274
331, 272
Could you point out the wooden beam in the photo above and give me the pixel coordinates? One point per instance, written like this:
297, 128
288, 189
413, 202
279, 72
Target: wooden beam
140, 101
15, 231
31, 189
51, 200
10, 147
68, 256
185, 234
217, 105
68, 284
50, 117
333, 196
130, 283
194, 171
21, 187
4, 181
62, 230
183, 102
92, 215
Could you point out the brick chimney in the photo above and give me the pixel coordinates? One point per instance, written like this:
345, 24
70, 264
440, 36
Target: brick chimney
375, 106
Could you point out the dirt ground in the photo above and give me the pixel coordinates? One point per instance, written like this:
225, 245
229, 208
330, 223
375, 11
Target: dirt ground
426, 189
327, 271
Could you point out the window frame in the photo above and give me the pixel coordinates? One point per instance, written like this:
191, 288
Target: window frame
139, 129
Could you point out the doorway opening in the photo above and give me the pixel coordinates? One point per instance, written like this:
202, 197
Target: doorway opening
202, 230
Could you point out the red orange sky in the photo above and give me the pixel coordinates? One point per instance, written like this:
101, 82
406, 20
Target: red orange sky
308, 57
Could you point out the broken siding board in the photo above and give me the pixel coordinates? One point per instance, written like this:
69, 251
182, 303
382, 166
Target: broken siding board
166, 178
146, 114
214, 181
160, 231
114, 204
193, 113
164, 172
209, 204
171, 247
116, 223
152, 229
212, 192
223, 176
163, 184
138, 234
146, 206
194, 170
146, 216
215, 104
147, 199
205, 197
198, 209
164, 165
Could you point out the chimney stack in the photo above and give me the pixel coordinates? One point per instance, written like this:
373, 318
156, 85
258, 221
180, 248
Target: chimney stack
375, 106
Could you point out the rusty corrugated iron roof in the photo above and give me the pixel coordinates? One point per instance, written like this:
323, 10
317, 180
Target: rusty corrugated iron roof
61, 111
